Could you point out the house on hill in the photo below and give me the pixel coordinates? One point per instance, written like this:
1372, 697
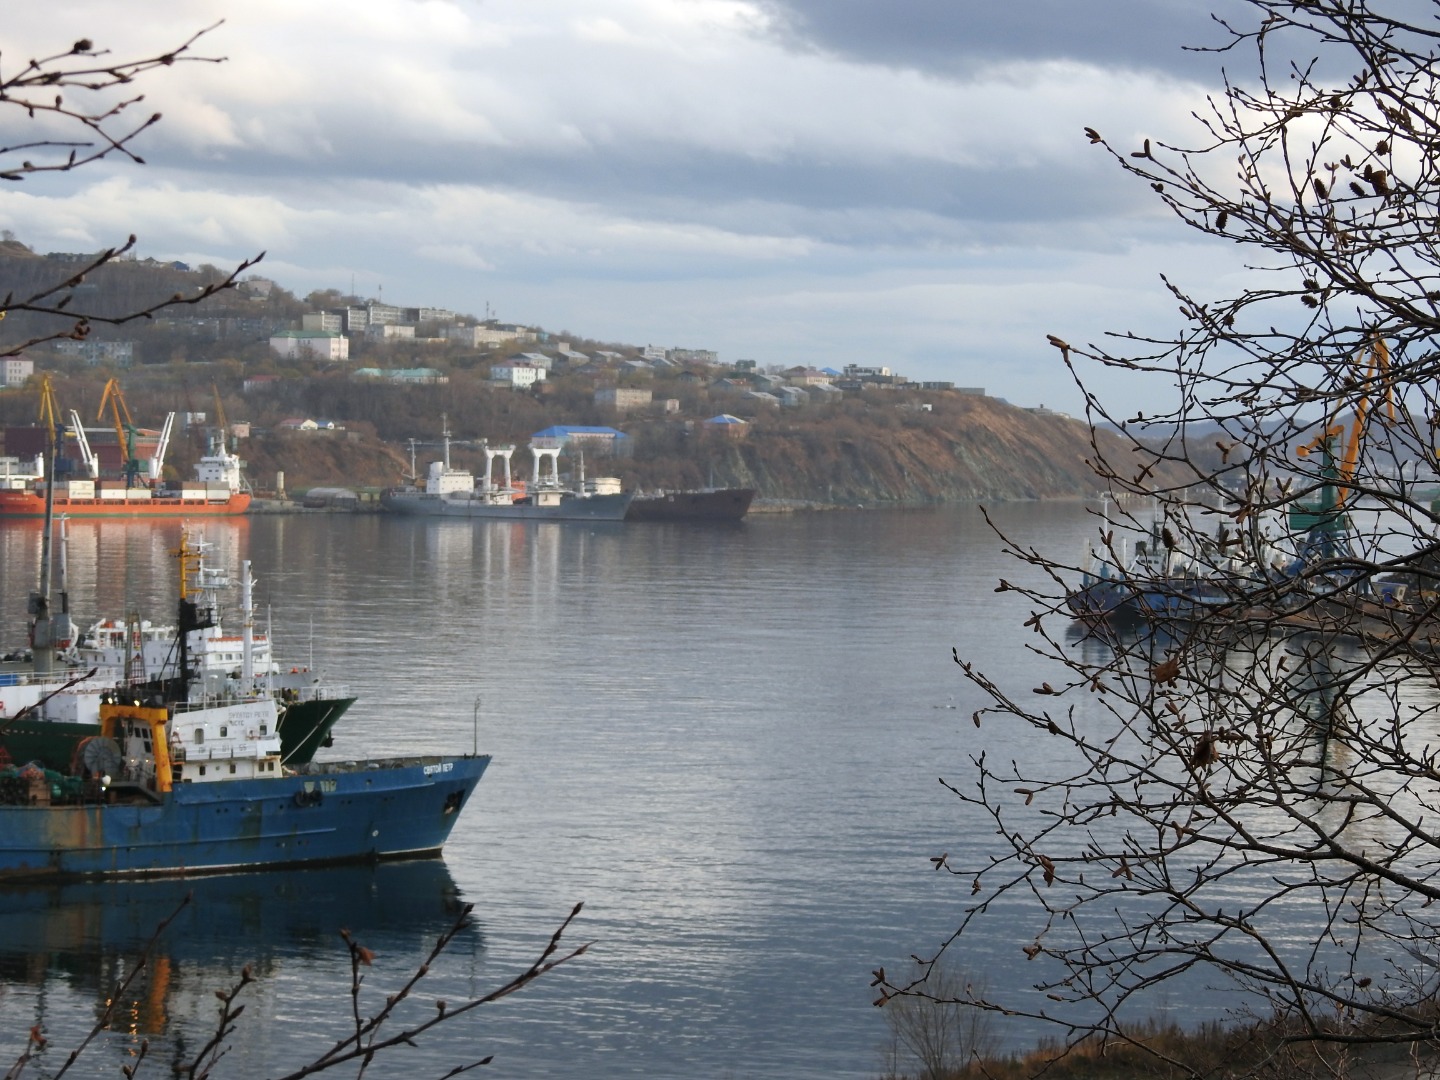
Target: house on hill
731, 427
621, 398
16, 370
517, 375
310, 345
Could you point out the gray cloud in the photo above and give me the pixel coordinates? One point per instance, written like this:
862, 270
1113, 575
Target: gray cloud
955, 37
840, 181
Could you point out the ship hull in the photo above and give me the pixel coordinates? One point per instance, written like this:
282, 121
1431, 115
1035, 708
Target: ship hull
29, 504
724, 504
305, 727
575, 508
358, 812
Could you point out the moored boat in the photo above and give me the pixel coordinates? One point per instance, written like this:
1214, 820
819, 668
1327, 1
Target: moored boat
707, 504
177, 779
44, 717
174, 790
217, 490
158, 501
451, 492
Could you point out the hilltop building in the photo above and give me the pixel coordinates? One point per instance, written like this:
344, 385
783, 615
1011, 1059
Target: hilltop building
15, 370
310, 345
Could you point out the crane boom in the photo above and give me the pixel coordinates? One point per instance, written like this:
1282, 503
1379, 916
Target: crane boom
157, 462
124, 428
223, 427
1324, 520
1344, 464
92, 463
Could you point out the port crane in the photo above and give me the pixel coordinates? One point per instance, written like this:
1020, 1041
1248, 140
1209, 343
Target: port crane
1324, 521
124, 429
92, 463
222, 433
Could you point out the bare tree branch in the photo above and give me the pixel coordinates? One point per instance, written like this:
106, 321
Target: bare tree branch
1236, 766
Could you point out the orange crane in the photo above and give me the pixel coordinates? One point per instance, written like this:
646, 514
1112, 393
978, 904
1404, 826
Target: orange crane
1377, 369
1324, 519
124, 429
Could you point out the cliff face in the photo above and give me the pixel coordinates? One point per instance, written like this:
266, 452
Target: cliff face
986, 450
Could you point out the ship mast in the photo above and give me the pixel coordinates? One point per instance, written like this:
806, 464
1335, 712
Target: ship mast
42, 630
247, 652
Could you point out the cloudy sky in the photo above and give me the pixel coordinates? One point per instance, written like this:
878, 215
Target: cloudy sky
793, 181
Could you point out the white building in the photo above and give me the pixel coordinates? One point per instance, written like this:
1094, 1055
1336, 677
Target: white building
118, 353
389, 332
517, 376
476, 336
322, 320
310, 345
15, 370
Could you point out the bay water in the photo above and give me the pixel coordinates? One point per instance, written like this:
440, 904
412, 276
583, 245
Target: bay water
726, 742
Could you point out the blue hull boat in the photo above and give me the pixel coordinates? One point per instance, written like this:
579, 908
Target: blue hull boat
332, 813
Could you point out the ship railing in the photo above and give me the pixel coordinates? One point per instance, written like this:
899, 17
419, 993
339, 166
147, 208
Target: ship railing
227, 696
289, 695
322, 768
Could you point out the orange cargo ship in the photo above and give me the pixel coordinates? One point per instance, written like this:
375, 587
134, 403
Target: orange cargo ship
142, 502
218, 488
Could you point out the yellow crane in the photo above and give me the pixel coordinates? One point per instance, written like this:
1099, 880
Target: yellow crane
124, 428
49, 411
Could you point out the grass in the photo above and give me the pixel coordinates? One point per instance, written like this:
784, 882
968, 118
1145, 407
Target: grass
1165, 1051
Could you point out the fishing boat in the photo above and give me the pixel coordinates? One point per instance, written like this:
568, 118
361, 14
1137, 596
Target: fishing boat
44, 717
704, 504
181, 788
175, 784
452, 492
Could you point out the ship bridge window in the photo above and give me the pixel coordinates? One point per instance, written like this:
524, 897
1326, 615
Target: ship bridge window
224, 731
199, 736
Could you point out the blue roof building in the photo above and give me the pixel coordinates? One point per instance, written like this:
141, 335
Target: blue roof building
605, 440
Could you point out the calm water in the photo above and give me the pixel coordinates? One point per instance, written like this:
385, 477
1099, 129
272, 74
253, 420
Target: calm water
724, 741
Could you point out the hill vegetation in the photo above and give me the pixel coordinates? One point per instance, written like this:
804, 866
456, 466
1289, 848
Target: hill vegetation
879, 448
896, 445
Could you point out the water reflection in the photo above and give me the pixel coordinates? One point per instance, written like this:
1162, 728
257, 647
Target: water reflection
64, 948
115, 566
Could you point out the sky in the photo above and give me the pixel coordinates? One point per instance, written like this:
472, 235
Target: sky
902, 183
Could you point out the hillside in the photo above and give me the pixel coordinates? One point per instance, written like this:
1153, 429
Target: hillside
977, 449
888, 444
876, 448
